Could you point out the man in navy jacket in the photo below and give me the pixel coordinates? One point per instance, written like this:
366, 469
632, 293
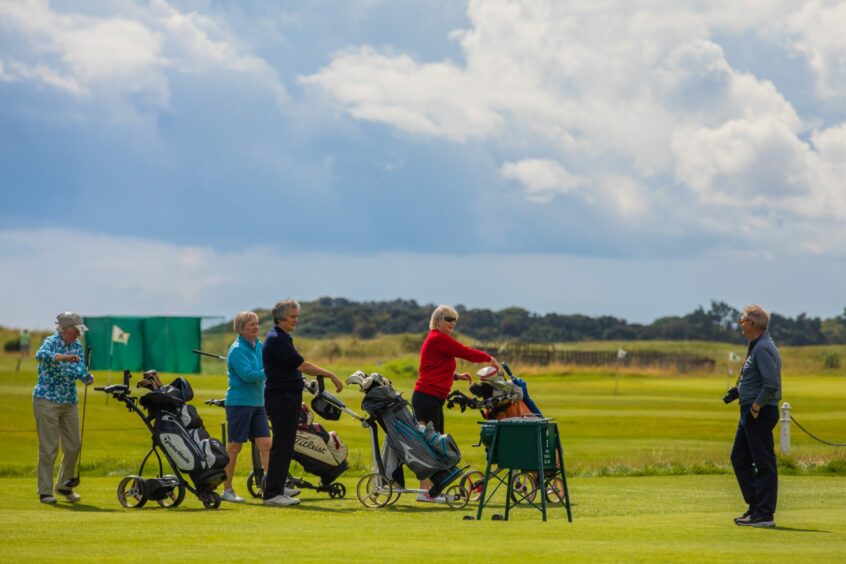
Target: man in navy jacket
753, 454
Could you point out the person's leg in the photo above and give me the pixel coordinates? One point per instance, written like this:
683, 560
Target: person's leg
237, 423
283, 409
47, 428
741, 462
260, 432
428, 409
760, 435
232, 449
71, 443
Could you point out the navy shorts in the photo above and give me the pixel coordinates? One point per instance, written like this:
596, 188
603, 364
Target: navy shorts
246, 422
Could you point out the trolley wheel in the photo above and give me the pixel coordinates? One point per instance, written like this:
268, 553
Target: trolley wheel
131, 492
457, 496
211, 500
254, 485
174, 498
524, 486
396, 495
473, 481
337, 490
555, 490
374, 490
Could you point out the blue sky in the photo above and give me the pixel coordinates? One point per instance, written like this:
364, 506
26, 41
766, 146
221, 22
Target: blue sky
629, 158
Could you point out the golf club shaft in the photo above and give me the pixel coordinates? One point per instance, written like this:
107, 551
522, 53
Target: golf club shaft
203, 353
84, 406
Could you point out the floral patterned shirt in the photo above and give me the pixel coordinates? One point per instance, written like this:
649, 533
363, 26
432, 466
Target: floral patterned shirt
57, 379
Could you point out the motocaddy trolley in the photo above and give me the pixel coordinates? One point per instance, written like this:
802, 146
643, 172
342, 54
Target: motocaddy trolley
177, 432
318, 451
426, 452
502, 396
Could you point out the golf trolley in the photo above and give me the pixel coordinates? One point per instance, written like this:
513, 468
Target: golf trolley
177, 434
319, 452
497, 396
426, 452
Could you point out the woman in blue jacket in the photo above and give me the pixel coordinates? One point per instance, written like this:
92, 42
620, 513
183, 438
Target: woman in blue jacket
246, 417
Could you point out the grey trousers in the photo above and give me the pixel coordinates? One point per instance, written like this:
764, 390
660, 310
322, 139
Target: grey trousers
56, 423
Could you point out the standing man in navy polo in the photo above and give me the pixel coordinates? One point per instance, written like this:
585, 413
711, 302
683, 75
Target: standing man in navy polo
753, 454
283, 395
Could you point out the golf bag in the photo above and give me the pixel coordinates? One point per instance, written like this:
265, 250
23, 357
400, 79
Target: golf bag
319, 452
178, 429
426, 452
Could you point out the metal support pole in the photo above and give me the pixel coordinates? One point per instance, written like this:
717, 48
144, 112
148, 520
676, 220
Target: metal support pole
784, 441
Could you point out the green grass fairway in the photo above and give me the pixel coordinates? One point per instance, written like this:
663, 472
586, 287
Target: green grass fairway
646, 456
666, 519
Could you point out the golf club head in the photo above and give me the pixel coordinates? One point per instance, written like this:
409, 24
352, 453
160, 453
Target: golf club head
72, 483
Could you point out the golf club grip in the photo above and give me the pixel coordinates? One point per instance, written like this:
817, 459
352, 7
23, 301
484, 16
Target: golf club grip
203, 353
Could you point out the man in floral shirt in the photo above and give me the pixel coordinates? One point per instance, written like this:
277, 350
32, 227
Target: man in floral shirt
61, 363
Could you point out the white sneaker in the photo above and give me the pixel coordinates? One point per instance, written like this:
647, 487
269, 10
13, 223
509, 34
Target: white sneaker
48, 499
281, 501
231, 496
426, 498
292, 492
69, 495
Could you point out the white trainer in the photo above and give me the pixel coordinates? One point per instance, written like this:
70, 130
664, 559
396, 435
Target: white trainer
426, 498
292, 492
281, 501
70, 495
231, 496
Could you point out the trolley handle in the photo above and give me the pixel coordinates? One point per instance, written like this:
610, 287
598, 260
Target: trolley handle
216, 402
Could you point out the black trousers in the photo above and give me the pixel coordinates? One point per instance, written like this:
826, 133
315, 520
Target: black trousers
283, 410
754, 461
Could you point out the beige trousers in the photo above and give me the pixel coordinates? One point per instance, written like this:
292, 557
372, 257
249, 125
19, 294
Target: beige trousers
56, 423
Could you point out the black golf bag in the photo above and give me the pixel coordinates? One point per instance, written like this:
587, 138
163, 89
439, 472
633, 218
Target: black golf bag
320, 452
178, 429
426, 452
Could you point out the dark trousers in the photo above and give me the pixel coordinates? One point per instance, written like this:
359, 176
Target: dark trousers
754, 461
283, 410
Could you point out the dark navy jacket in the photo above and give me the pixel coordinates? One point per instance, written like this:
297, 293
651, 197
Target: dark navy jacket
761, 374
281, 361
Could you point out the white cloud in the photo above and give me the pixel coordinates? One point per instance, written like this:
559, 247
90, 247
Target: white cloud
541, 179
633, 99
123, 55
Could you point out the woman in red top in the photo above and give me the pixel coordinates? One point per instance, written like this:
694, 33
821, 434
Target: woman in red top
437, 373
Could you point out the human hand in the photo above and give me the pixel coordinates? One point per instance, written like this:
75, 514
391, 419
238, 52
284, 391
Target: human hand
756, 410
338, 385
67, 357
89, 379
496, 365
464, 376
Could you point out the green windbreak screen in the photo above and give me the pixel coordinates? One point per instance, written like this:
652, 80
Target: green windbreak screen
144, 343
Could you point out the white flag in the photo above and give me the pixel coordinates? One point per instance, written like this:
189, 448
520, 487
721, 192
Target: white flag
119, 336
733, 356
621, 354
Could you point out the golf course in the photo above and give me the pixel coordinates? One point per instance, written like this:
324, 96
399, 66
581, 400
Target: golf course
646, 456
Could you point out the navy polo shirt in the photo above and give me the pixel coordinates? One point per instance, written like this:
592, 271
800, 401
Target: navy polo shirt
281, 361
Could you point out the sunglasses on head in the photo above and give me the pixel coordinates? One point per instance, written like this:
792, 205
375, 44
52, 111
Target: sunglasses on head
450, 319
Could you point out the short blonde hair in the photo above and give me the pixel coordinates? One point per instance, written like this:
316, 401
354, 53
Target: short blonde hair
440, 312
241, 320
757, 315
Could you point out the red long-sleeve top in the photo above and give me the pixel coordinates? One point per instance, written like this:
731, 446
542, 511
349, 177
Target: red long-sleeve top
437, 363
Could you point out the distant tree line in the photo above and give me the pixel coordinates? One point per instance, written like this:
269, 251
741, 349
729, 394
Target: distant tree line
332, 317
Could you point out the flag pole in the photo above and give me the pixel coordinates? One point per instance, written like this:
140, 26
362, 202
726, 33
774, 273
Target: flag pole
111, 352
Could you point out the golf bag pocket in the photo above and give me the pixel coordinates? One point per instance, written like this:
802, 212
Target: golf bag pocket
179, 443
337, 447
213, 452
190, 417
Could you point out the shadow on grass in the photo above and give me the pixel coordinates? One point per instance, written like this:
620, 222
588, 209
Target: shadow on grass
795, 530
85, 508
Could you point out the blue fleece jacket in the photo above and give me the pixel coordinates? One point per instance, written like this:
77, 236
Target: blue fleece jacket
760, 379
246, 374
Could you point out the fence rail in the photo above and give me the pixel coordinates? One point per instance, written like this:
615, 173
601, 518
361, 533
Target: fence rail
547, 354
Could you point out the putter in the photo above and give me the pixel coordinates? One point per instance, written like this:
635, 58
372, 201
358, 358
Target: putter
74, 482
203, 353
